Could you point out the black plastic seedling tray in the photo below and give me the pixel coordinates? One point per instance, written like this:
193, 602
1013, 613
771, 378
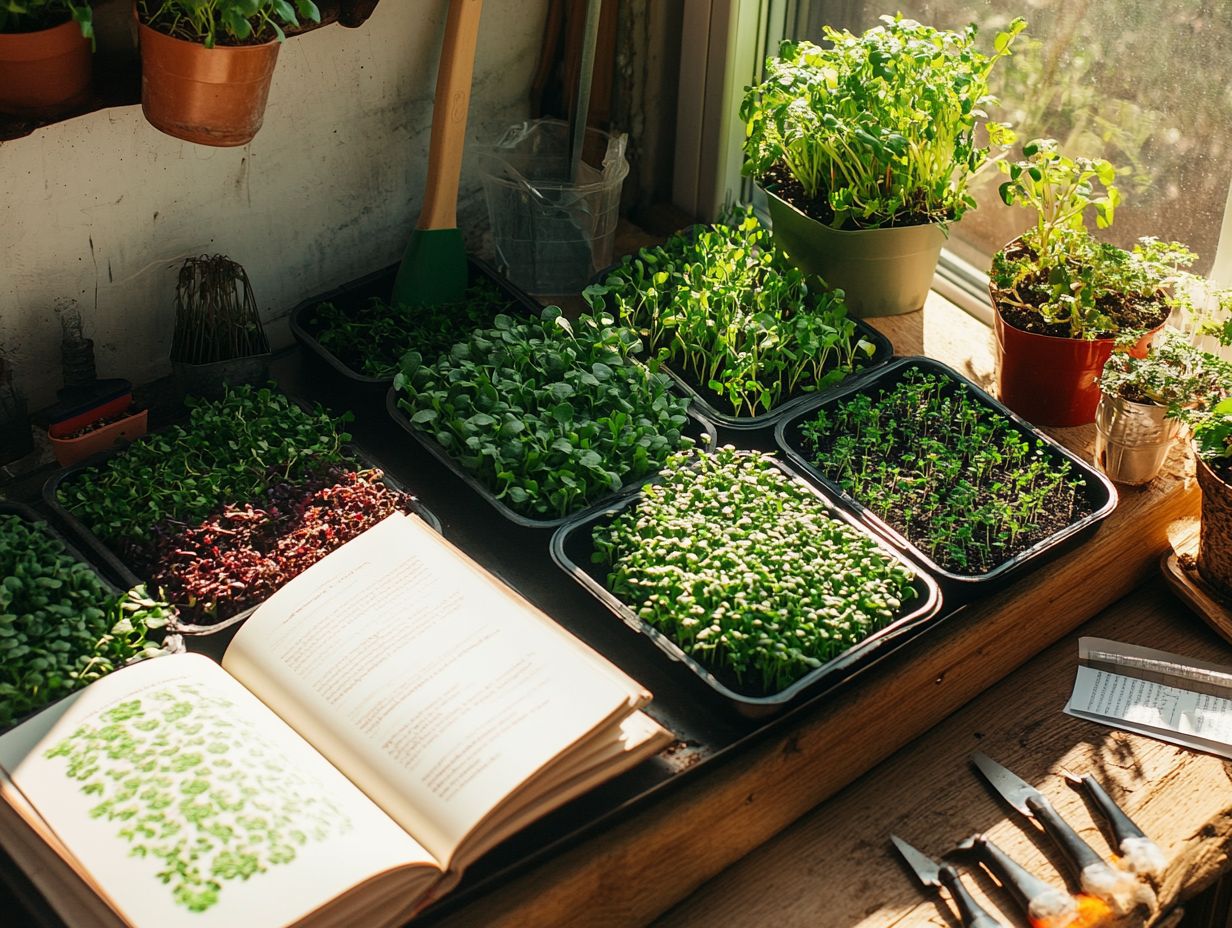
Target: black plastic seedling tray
112, 563
170, 642
357, 293
706, 401
572, 546
698, 428
959, 588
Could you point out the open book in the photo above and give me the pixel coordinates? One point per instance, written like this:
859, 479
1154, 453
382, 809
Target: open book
377, 724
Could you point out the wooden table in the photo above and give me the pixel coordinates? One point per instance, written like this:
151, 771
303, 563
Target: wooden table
639, 869
834, 867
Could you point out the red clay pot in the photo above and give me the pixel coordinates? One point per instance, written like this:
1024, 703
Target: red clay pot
44, 73
71, 450
1049, 380
211, 96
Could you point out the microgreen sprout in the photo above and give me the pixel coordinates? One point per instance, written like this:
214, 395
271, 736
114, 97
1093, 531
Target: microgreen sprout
549, 415
731, 315
744, 568
953, 476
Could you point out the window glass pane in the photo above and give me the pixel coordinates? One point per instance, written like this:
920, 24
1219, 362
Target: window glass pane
1143, 83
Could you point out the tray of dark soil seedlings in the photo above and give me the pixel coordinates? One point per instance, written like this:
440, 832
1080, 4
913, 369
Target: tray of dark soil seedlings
356, 332
931, 461
739, 328
62, 624
545, 417
747, 574
220, 511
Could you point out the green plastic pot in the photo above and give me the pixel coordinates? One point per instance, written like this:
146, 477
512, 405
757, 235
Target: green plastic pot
883, 272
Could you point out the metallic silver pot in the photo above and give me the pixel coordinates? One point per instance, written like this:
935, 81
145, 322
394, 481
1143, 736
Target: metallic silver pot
1132, 440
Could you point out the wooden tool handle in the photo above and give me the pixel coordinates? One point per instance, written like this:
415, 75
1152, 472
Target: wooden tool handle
453, 97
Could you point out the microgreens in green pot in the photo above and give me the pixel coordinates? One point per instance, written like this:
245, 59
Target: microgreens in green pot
733, 317
35, 15
546, 414
1057, 278
875, 130
226, 22
743, 567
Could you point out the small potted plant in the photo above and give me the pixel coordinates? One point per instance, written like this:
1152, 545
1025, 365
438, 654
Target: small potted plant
44, 55
218, 339
866, 149
1144, 402
206, 67
1064, 299
1212, 439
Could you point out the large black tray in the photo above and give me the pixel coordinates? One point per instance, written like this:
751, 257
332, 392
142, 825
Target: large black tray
172, 643
883, 351
112, 563
379, 284
572, 545
701, 431
1099, 491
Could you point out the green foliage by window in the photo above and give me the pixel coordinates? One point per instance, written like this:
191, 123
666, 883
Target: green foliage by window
228, 452
954, 476
226, 22
730, 314
1058, 269
34, 15
549, 415
1174, 374
1212, 434
193, 787
742, 567
373, 338
880, 126
60, 626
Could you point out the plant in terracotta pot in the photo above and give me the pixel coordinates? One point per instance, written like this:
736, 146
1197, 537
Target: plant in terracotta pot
866, 148
1145, 402
206, 65
1063, 298
44, 56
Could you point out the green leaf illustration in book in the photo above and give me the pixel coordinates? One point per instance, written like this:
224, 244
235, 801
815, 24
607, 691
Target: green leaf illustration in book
190, 784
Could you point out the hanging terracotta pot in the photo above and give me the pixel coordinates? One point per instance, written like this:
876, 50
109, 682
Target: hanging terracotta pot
211, 96
1049, 380
1215, 540
44, 73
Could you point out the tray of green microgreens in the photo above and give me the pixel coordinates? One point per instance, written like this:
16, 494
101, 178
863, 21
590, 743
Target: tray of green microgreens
219, 511
62, 624
973, 492
545, 417
748, 575
356, 332
739, 327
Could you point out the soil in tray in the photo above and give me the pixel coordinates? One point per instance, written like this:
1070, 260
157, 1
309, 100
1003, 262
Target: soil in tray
742, 567
733, 318
371, 338
956, 478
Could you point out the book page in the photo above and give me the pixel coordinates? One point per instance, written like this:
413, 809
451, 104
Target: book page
1166, 696
436, 689
188, 803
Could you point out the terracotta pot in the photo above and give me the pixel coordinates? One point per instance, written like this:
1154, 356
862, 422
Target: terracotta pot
211, 96
71, 450
1215, 539
1049, 380
44, 73
882, 272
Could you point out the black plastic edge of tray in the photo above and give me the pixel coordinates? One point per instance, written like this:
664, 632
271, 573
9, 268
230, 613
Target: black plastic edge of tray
166, 636
883, 353
375, 284
960, 588
707, 439
838, 669
112, 563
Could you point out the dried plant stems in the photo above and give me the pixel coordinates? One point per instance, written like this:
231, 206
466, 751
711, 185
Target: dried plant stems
216, 316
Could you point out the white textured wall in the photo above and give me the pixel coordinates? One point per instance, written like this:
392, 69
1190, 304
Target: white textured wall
103, 208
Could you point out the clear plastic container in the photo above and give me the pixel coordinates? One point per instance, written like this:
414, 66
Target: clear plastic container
551, 231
